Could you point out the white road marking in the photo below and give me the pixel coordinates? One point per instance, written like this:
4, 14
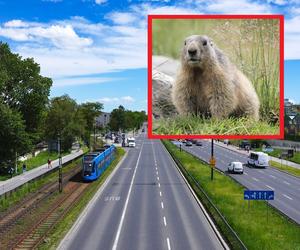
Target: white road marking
269, 187
286, 196
126, 168
157, 178
112, 198
157, 172
245, 174
126, 202
168, 243
165, 221
287, 183
162, 205
260, 171
273, 176
159, 193
254, 179
158, 184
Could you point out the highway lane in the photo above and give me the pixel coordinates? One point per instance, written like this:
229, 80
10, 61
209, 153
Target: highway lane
145, 205
286, 187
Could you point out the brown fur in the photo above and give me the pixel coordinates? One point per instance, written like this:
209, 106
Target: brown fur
209, 84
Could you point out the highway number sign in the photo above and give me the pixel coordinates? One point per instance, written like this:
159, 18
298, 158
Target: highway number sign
259, 195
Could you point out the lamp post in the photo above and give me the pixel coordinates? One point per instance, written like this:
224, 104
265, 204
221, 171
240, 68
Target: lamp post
59, 167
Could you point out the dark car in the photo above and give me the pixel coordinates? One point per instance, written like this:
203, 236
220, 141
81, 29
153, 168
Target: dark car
117, 140
198, 143
188, 143
194, 141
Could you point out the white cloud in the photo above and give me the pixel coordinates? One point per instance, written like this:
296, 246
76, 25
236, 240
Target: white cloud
278, 2
100, 1
243, 6
81, 81
119, 100
16, 24
122, 17
60, 36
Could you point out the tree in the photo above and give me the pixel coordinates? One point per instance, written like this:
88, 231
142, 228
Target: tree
60, 121
88, 112
117, 119
13, 137
23, 89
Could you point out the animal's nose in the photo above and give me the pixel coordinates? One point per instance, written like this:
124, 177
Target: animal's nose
192, 51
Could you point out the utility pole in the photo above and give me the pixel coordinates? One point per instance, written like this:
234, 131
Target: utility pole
59, 167
95, 135
212, 160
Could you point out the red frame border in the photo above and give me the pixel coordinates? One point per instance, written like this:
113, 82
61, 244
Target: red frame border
281, 77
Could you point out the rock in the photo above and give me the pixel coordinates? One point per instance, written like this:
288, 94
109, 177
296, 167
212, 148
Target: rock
162, 106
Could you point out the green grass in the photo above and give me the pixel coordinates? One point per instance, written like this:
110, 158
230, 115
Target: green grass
284, 167
31, 186
254, 228
60, 230
198, 125
253, 45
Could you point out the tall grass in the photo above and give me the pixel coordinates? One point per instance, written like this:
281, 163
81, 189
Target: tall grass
251, 44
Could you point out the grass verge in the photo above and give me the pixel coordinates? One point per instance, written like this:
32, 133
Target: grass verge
31, 186
197, 125
294, 171
254, 227
60, 230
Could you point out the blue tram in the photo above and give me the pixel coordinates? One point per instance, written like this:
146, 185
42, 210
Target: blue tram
94, 163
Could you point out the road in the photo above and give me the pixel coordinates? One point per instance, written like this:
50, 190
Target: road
19, 180
145, 205
286, 187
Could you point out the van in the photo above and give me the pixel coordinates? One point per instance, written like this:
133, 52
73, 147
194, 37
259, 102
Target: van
258, 159
131, 142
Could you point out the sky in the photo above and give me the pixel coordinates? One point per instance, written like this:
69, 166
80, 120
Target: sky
96, 50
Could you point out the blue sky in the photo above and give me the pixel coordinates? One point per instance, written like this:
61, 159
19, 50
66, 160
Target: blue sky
95, 50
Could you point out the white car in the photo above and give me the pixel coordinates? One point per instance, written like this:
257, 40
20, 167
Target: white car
236, 167
131, 142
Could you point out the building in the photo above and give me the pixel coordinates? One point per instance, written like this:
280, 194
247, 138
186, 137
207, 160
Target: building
103, 119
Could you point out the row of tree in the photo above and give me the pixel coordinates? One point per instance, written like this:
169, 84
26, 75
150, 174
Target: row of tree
122, 119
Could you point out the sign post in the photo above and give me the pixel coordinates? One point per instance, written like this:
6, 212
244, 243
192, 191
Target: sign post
212, 160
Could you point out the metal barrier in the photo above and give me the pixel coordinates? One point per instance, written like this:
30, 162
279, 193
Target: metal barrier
227, 231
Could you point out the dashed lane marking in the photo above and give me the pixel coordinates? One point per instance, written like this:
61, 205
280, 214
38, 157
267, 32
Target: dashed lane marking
254, 179
162, 205
270, 187
168, 243
165, 221
286, 196
287, 183
160, 193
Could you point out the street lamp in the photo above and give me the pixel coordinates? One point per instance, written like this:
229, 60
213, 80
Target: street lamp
212, 160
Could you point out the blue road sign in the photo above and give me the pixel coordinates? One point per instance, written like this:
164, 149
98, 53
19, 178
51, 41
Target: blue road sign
258, 195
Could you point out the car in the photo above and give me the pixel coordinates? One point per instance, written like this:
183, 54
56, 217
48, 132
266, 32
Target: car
117, 140
183, 141
188, 144
193, 141
235, 167
199, 143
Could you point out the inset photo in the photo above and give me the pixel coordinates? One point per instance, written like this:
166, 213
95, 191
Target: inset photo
215, 76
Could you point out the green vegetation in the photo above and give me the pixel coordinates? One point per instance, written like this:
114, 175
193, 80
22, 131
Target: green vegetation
23, 98
60, 230
126, 119
196, 125
32, 186
284, 167
254, 227
253, 45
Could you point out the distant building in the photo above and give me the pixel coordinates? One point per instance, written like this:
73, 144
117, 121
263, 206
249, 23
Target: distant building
103, 119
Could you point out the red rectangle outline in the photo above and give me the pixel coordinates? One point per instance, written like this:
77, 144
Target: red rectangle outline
281, 77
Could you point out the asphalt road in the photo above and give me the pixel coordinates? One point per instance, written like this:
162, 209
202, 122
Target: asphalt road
286, 187
145, 205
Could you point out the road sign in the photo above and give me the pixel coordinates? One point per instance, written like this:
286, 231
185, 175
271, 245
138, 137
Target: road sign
259, 195
212, 161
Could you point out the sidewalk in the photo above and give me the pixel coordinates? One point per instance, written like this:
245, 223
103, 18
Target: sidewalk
19, 180
272, 158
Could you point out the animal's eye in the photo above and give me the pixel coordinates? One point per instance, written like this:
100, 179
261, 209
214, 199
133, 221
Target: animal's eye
204, 43
184, 42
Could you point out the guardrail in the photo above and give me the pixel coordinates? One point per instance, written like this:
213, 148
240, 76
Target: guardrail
227, 231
